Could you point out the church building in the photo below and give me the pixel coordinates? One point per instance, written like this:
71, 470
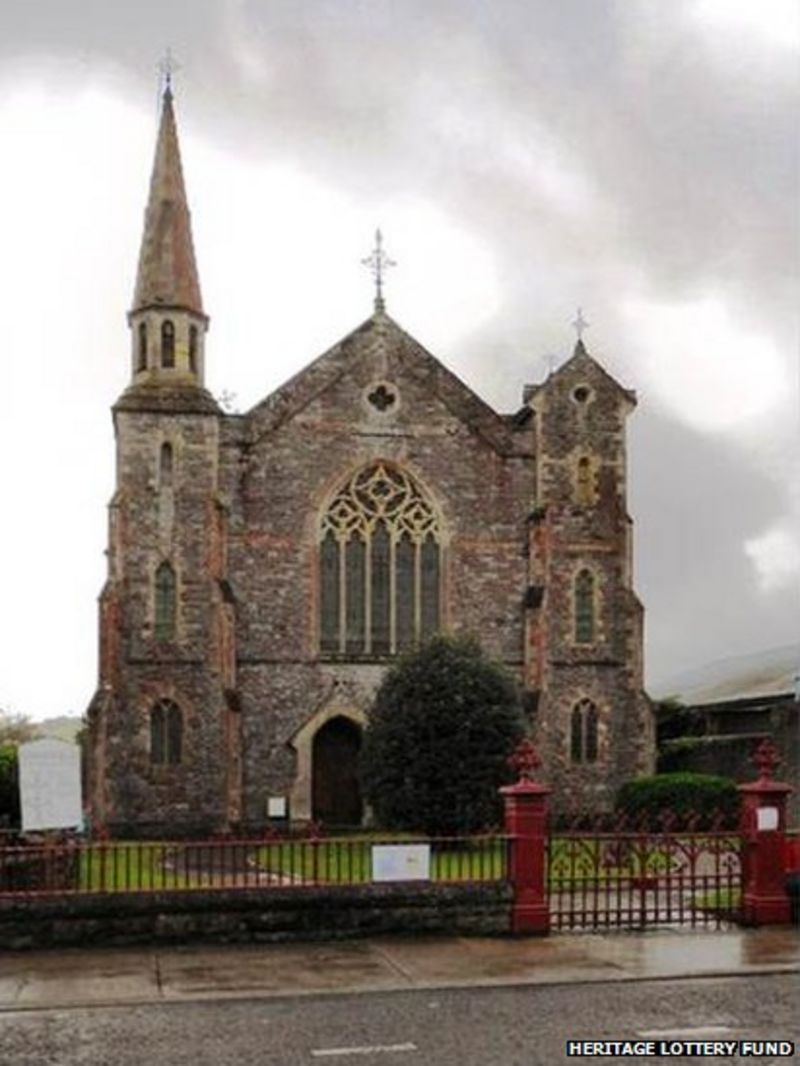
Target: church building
265, 568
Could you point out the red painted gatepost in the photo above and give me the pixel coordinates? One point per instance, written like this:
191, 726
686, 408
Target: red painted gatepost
526, 824
763, 829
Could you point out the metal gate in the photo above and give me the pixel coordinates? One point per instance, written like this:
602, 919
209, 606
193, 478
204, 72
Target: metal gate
619, 876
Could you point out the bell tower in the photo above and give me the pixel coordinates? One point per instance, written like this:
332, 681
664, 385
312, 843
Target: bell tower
160, 718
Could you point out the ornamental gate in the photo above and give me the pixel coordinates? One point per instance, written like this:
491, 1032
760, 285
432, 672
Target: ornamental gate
615, 874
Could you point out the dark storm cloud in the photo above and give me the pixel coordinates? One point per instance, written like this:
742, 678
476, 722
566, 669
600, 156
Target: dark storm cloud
587, 144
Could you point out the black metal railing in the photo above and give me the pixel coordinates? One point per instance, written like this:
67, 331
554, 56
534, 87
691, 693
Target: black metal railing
160, 866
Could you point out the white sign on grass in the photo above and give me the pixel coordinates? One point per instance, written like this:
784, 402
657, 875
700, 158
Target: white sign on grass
50, 784
401, 862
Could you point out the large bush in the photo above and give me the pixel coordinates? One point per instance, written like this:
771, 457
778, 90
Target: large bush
681, 794
435, 751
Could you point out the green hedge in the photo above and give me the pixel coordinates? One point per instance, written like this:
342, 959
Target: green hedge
682, 794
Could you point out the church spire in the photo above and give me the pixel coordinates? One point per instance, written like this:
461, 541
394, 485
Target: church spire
167, 274
167, 318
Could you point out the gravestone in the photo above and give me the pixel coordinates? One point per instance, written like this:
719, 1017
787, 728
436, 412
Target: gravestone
50, 784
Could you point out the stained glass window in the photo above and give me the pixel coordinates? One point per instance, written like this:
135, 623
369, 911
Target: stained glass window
380, 565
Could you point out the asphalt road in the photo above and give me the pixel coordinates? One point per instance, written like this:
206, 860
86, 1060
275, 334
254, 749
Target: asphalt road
519, 1026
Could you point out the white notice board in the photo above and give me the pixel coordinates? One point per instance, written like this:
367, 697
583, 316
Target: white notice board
401, 862
50, 784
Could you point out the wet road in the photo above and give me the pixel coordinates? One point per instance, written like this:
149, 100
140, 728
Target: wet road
518, 1026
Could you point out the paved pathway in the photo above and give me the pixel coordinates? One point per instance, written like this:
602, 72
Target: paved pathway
101, 977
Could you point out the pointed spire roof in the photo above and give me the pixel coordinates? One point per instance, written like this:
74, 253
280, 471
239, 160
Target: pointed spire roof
167, 273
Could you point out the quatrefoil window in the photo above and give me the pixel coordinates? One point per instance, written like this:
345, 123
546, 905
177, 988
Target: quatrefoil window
382, 397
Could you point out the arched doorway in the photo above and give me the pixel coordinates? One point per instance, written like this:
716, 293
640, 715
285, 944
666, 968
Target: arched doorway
335, 787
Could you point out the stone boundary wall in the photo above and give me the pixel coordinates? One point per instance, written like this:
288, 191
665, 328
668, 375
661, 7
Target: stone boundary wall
254, 915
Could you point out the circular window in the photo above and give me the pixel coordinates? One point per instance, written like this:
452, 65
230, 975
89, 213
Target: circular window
581, 394
382, 397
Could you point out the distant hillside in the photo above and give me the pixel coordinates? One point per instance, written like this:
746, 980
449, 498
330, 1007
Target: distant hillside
64, 727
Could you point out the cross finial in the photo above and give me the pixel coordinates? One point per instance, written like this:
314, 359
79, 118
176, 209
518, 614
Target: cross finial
378, 261
167, 66
580, 325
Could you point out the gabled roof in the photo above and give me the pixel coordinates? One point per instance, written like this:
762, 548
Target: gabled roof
580, 355
381, 331
167, 273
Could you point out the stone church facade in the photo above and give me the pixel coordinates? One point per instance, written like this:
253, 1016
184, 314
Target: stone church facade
265, 568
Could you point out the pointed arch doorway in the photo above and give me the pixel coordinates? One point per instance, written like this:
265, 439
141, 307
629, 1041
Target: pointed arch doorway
336, 793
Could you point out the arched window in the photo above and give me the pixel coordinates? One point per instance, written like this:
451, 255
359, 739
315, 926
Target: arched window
583, 733
584, 482
141, 363
193, 349
165, 465
167, 344
166, 733
584, 607
165, 603
380, 565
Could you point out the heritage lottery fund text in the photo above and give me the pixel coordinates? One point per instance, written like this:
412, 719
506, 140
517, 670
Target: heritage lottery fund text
699, 1049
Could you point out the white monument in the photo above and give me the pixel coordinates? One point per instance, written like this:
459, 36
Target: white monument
50, 784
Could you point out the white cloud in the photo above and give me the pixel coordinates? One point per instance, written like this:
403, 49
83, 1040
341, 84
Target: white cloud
772, 22
704, 366
775, 556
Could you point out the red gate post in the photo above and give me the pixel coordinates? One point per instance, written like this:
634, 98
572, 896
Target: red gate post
763, 828
526, 824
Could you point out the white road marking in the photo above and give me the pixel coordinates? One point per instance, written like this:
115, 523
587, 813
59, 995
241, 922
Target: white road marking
366, 1050
699, 1031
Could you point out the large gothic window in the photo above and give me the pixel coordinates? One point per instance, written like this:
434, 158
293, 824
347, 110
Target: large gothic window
165, 603
584, 607
583, 732
166, 733
379, 564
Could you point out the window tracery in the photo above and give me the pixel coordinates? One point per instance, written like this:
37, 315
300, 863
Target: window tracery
380, 565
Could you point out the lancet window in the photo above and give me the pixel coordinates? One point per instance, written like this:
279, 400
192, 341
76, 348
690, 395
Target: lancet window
166, 733
141, 359
583, 732
167, 344
165, 465
584, 482
380, 565
193, 349
166, 598
584, 607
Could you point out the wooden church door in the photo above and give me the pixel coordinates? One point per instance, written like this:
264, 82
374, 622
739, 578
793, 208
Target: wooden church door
336, 791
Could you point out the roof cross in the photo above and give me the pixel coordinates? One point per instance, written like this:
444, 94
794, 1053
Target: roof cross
166, 67
378, 261
580, 325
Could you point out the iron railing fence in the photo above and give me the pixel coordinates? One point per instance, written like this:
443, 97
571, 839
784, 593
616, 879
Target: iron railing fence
159, 866
644, 879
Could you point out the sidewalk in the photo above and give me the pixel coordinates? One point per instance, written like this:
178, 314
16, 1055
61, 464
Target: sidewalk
103, 977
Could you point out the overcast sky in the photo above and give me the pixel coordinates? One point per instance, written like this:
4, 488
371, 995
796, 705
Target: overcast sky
638, 158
